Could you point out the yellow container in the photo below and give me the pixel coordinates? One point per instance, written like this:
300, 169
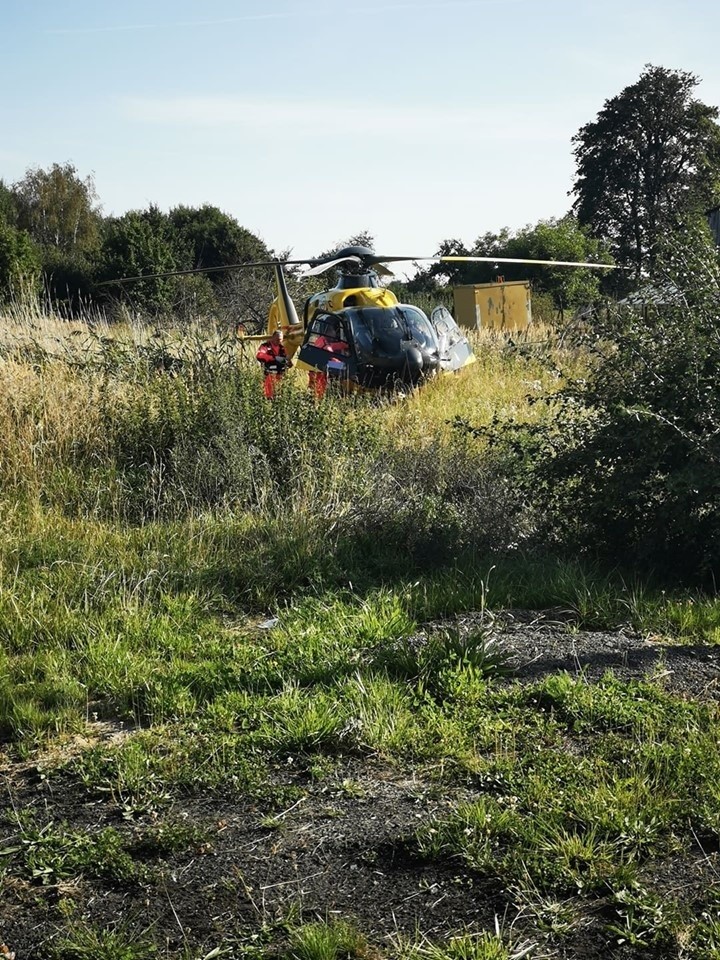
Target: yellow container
494, 306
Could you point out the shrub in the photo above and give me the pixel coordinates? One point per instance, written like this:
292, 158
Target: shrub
629, 467
19, 262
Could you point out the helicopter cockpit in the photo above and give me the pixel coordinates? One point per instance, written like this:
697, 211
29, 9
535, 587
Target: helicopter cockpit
385, 343
378, 330
327, 331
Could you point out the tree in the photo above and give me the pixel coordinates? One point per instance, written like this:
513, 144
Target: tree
141, 242
19, 262
215, 239
649, 163
563, 239
60, 211
362, 239
58, 208
552, 239
8, 204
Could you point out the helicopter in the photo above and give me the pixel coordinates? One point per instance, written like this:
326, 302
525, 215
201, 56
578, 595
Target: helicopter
357, 334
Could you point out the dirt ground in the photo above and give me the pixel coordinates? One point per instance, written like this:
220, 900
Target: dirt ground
336, 849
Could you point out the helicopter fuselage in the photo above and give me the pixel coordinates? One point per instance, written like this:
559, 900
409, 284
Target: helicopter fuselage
359, 333
375, 341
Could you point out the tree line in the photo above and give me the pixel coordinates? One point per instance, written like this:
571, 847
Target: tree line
647, 171
626, 469
647, 168
54, 239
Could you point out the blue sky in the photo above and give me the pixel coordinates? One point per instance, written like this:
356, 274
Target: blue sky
311, 120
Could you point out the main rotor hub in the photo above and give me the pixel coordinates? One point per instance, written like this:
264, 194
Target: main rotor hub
362, 253
348, 281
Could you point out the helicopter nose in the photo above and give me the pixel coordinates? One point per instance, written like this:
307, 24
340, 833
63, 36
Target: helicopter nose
413, 359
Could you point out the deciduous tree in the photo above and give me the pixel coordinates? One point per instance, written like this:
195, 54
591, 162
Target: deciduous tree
58, 208
649, 163
141, 242
8, 204
19, 262
215, 239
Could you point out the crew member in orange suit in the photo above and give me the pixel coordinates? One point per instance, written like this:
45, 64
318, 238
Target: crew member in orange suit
318, 379
274, 359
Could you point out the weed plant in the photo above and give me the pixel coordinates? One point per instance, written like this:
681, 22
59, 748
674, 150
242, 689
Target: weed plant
86, 942
496, 945
51, 854
328, 941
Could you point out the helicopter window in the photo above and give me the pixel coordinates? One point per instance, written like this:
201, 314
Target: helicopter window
328, 333
386, 321
378, 330
447, 329
418, 326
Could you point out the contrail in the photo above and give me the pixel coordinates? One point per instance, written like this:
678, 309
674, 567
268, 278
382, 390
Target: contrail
285, 15
180, 23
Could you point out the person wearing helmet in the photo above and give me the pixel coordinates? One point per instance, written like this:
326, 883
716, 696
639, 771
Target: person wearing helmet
274, 359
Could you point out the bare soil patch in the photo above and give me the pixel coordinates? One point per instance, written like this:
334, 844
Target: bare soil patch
336, 847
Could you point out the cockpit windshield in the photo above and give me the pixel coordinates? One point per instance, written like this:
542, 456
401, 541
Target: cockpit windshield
378, 330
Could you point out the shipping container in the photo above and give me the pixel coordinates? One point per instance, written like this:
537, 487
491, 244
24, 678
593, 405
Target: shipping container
494, 306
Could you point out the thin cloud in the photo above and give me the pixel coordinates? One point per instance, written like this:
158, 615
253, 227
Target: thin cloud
179, 23
280, 15
458, 125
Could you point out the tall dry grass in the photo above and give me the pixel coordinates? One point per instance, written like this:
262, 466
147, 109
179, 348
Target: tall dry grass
508, 376
99, 424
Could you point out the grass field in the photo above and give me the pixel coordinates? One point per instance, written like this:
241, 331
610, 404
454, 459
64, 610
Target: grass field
255, 692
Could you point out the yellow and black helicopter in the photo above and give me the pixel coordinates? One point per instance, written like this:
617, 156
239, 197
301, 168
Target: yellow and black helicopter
357, 333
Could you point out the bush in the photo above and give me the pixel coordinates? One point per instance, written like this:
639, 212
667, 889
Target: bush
19, 263
67, 280
629, 469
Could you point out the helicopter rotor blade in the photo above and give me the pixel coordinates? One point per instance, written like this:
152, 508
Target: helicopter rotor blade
382, 271
469, 259
536, 263
325, 265
186, 273
372, 261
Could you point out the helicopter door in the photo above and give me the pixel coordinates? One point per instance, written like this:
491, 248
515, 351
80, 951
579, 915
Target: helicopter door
455, 350
326, 340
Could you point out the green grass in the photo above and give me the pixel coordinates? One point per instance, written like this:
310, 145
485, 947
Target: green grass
328, 941
495, 945
151, 523
85, 942
51, 853
619, 777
